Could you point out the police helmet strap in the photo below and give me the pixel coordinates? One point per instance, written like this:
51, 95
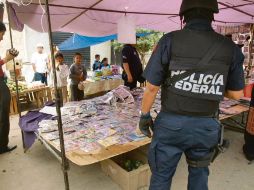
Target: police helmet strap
191, 4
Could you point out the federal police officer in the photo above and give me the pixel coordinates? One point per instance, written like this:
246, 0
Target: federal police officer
132, 66
196, 68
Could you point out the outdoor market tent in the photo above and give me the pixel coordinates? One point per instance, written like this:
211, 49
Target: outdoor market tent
100, 17
77, 41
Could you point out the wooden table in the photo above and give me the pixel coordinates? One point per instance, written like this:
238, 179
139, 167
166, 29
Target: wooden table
98, 87
81, 158
37, 95
238, 126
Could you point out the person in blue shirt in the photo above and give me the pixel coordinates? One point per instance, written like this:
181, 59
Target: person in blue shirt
195, 68
97, 63
104, 63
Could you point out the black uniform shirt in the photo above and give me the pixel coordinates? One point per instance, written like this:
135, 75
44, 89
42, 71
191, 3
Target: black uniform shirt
130, 56
155, 72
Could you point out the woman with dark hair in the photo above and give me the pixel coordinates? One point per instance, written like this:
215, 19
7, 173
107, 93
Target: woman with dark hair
5, 98
105, 64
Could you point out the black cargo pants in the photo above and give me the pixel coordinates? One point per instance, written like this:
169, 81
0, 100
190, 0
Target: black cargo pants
5, 99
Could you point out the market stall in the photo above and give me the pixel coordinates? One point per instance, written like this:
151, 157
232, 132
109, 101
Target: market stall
101, 86
105, 16
35, 93
106, 126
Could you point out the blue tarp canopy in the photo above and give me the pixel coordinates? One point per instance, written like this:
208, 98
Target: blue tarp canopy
77, 41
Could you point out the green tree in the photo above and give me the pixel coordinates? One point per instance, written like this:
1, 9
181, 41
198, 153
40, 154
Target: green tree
144, 45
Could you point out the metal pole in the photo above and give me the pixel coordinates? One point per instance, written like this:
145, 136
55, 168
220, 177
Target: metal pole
65, 164
15, 76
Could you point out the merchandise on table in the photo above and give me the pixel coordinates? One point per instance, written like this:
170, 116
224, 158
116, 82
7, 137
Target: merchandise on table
23, 86
115, 69
95, 124
106, 72
12, 86
35, 85
227, 103
225, 106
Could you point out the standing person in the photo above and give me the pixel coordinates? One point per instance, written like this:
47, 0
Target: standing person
62, 73
195, 68
132, 66
97, 63
40, 62
248, 147
77, 74
5, 98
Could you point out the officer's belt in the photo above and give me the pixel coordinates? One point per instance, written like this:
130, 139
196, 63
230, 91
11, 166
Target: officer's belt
214, 115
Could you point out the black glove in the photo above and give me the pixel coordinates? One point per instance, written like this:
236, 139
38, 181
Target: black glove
145, 124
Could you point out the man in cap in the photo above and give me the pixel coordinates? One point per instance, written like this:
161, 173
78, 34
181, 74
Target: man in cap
40, 62
195, 68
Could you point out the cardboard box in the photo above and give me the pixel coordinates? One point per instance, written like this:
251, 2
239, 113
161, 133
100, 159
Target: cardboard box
133, 180
144, 149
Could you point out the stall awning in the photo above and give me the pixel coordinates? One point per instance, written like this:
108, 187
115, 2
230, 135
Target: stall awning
100, 17
77, 41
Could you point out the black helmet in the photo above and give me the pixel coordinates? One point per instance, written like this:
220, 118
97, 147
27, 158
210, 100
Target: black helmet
206, 4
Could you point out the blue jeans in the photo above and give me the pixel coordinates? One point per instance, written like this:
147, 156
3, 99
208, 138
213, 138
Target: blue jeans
175, 135
41, 77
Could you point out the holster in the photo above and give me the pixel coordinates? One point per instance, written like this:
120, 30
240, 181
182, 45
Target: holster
222, 146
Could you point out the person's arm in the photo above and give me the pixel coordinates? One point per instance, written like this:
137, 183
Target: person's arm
73, 75
155, 74
128, 72
7, 58
34, 67
125, 61
33, 61
94, 67
84, 74
149, 97
235, 82
235, 95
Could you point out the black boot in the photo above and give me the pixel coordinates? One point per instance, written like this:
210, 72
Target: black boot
248, 154
7, 149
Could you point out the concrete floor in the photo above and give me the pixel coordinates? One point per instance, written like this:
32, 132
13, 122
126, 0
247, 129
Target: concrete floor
39, 170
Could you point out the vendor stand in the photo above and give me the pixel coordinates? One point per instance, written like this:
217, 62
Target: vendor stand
101, 86
113, 115
39, 96
106, 16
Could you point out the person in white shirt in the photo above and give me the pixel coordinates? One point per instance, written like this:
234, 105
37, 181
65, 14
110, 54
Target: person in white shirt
40, 62
62, 74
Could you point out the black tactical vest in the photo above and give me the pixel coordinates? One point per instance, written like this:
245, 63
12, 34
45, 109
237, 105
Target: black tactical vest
200, 91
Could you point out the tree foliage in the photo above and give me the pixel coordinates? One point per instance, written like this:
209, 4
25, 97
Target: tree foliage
144, 44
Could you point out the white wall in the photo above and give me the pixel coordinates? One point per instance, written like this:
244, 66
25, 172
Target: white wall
104, 50
31, 39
